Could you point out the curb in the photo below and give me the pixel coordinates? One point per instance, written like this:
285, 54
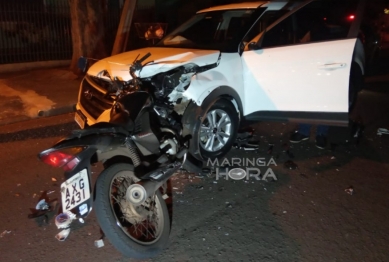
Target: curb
47, 113
57, 111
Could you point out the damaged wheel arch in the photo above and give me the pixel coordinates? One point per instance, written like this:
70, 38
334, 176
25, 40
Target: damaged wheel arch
194, 114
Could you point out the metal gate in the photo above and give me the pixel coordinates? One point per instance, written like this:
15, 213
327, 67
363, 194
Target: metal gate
40, 30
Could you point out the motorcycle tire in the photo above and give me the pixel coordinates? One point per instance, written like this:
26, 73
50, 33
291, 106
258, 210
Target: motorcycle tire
122, 223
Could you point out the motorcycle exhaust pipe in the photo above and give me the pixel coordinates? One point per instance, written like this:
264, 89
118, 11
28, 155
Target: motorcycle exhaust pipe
137, 193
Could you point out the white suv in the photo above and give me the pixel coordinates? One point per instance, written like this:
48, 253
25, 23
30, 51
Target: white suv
278, 60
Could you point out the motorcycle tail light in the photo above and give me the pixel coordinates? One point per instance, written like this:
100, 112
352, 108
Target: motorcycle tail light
65, 158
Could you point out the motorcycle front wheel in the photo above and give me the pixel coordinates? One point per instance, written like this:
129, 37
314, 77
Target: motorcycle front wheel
136, 231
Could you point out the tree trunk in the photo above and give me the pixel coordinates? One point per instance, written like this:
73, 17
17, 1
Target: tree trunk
87, 30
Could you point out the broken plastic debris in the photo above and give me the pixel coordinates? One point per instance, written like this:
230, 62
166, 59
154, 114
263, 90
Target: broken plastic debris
99, 243
50, 192
382, 131
53, 179
4, 233
42, 205
64, 220
290, 164
287, 150
81, 220
349, 190
206, 171
61, 236
270, 149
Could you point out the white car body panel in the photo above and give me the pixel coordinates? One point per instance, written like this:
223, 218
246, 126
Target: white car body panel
274, 81
223, 75
164, 59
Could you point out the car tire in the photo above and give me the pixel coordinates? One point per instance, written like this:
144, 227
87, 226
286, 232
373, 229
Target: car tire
218, 129
355, 85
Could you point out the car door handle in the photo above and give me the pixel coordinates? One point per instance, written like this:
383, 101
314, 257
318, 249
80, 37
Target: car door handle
332, 66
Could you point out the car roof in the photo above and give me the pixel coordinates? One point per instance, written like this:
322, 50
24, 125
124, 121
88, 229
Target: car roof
271, 5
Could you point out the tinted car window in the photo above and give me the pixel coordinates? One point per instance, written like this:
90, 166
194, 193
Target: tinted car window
265, 20
318, 21
218, 30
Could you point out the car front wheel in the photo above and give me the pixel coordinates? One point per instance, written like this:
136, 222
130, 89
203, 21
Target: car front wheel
218, 129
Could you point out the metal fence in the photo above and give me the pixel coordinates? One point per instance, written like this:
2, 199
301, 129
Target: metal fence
40, 30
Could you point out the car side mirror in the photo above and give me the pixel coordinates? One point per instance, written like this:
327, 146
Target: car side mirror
82, 64
253, 46
257, 45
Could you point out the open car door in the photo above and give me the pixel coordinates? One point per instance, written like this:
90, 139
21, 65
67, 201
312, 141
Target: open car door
299, 68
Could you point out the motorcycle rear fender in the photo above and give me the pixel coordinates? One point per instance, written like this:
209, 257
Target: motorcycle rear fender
97, 148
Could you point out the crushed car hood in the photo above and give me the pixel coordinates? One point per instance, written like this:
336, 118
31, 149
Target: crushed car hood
161, 60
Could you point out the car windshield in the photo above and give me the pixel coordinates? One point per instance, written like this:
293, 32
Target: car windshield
217, 30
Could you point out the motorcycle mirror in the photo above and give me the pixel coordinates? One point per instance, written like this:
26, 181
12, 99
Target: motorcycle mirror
82, 63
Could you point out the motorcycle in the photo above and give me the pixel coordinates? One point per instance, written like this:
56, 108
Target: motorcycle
140, 148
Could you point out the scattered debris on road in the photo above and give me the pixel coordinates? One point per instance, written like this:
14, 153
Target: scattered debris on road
53, 179
290, 165
349, 190
270, 149
382, 131
43, 207
64, 220
61, 236
99, 243
286, 147
5, 232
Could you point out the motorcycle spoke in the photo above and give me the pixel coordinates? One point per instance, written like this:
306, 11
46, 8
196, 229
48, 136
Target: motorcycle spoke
141, 223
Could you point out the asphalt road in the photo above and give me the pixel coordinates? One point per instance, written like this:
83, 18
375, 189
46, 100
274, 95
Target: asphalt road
305, 215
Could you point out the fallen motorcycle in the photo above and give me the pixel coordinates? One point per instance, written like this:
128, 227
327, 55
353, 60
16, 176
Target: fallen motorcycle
141, 148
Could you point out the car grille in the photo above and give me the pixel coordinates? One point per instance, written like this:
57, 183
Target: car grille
92, 100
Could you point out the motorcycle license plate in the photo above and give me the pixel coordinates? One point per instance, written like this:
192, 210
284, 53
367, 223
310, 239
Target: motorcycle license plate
80, 119
75, 190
